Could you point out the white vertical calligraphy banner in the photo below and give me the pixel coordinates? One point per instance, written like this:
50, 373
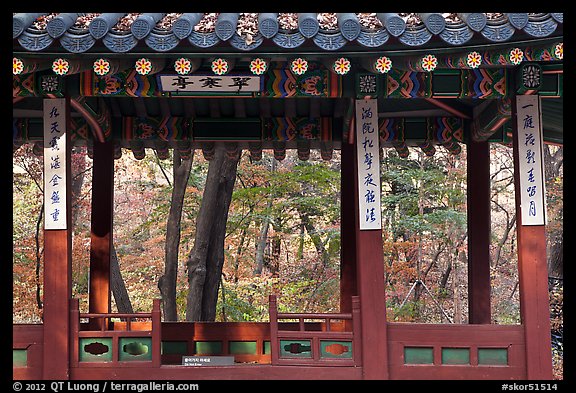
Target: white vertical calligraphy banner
531, 160
55, 163
368, 149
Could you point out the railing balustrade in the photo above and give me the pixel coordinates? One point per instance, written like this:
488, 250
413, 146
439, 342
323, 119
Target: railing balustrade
334, 344
129, 343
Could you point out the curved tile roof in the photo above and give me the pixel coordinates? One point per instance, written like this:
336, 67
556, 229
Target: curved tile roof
244, 32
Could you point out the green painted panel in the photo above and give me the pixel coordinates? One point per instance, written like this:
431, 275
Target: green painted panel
174, 347
135, 348
19, 358
242, 347
446, 84
493, 356
336, 349
455, 355
295, 349
267, 347
95, 349
418, 355
208, 347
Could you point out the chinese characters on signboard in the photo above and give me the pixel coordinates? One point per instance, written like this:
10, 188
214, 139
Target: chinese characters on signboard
55, 163
531, 171
210, 84
367, 141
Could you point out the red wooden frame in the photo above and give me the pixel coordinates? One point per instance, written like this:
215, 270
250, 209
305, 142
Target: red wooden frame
327, 333
154, 331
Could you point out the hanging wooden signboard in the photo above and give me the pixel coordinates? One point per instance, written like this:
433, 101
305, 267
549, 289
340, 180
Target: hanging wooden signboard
55, 164
368, 156
531, 160
210, 84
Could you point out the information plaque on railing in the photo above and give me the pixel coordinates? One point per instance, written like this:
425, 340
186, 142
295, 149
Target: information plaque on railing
55, 163
368, 149
531, 160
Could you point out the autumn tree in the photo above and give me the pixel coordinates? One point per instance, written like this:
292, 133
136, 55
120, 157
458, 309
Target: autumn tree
167, 282
206, 259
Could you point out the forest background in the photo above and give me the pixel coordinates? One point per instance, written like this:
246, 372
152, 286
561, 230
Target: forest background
282, 235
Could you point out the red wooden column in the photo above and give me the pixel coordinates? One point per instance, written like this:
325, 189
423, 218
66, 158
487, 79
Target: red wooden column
58, 283
348, 208
101, 231
478, 195
533, 274
370, 283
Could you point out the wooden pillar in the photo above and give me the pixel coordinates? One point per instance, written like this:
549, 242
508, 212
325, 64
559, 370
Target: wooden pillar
532, 273
478, 195
101, 232
58, 281
348, 287
370, 283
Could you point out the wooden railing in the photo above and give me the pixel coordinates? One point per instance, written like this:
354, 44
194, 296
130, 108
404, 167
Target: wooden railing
248, 342
27, 349
456, 351
333, 342
126, 343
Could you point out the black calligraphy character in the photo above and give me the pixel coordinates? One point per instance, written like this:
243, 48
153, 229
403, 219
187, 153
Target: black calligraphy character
368, 180
54, 127
55, 214
55, 197
55, 180
532, 209
54, 112
55, 164
240, 82
531, 175
529, 139
368, 160
370, 196
366, 113
530, 156
53, 143
181, 82
528, 122
367, 128
531, 191
367, 143
370, 215
210, 82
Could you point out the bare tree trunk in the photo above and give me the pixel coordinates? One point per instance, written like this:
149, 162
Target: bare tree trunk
274, 262
300, 252
207, 257
77, 183
553, 166
316, 239
118, 286
239, 252
502, 241
456, 291
262, 240
167, 282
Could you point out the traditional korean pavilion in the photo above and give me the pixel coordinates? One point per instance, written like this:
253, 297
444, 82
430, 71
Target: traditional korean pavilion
352, 82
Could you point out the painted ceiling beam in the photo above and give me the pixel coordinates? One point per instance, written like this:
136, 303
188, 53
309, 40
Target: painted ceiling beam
490, 118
